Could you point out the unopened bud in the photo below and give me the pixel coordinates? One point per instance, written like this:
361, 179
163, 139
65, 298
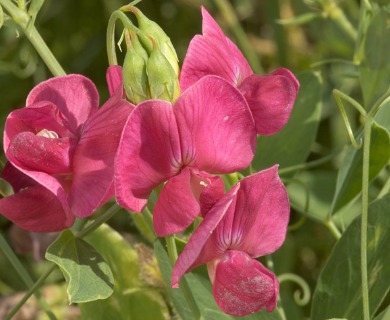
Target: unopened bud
151, 28
135, 80
163, 80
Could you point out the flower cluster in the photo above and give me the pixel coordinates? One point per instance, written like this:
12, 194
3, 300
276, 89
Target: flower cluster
66, 156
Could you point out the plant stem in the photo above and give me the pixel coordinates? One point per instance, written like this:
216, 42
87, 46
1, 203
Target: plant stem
337, 15
183, 285
30, 292
24, 274
90, 228
99, 221
23, 19
333, 229
229, 14
364, 222
44, 51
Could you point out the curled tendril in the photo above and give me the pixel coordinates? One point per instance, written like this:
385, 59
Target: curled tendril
301, 297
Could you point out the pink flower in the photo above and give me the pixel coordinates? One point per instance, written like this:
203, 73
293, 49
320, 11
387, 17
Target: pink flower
61, 150
209, 129
248, 222
270, 97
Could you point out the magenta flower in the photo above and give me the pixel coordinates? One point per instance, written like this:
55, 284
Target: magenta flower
61, 150
209, 129
248, 222
270, 97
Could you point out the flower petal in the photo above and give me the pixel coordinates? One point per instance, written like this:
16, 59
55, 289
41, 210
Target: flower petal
261, 215
75, 96
202, 247
213, 54
33, 207
243, 285
216, 128
176, 207
93, 167
114, 80
50, 155
36, 209
37, 117
271, 99
148, 153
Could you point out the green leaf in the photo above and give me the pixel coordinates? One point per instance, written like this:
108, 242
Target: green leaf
349, 179
88, 276
201, 289
311, 192
292, 144
138, 284
375, 67
338, 292
385, 315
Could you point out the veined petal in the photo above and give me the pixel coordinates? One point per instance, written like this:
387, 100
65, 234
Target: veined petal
33, 152
216, 128
93, 160
114, 80
202, 247
243, 285
271, 99
36, 209
75, 96
261, 215
176, 207
33, 207
148, 154
213, 54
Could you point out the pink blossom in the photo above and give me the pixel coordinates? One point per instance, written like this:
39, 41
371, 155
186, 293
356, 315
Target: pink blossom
61, 150
270, 97
208, 129
248, 222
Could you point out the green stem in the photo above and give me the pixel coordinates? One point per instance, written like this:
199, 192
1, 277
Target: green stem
183, 285
90, 228
30, 292
23, 19
333, 229
99, 221
110, 38
229, 14
24, 274
364, 222
337, 15
270, 265
44, 51
308, 165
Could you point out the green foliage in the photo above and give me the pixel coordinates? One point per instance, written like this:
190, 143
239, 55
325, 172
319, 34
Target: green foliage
137, 290
375, 67
291, 145
88, 276
349, 180
201, 289
338, 293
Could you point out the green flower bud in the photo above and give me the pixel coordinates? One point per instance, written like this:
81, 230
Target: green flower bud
162, 78
151, 28
135, 80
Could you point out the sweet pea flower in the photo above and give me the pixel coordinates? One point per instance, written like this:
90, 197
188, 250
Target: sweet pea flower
270, 97
61, 150
208, 129
248, 222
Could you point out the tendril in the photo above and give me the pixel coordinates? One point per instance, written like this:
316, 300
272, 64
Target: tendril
302, 296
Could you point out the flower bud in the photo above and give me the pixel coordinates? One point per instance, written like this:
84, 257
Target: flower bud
151, 28
135, 80
162, 78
